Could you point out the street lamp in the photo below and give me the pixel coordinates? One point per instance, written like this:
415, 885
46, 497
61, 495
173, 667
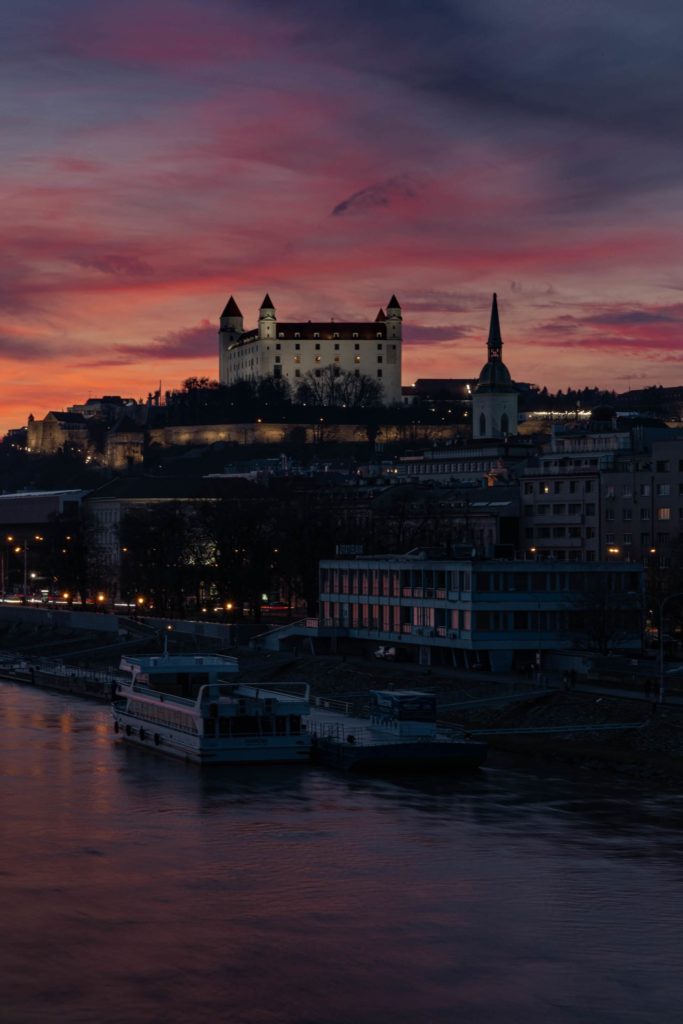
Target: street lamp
662, 604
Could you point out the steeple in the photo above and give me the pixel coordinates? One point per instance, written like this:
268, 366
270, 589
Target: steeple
495, 342
381, 316
267, 304
231, 309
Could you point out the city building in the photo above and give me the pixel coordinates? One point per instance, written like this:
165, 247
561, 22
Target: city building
58, 431
288, 351
498, 614
615, 493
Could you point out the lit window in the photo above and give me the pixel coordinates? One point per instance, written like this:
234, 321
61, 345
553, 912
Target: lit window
663, 513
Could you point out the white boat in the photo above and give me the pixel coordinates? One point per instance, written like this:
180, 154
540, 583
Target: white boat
180, 705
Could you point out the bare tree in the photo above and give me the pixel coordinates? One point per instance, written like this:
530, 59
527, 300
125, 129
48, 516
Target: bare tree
332, 386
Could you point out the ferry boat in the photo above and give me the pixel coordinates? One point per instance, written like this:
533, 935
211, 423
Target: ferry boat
181, 705
401, 733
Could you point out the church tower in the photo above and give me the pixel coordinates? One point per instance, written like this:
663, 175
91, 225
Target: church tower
230, 331
495, 399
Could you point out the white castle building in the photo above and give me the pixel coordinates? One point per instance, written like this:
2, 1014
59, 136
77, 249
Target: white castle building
289, 351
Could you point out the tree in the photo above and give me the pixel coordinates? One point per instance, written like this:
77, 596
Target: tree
331, 386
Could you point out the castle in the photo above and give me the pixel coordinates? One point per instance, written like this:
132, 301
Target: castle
288, 351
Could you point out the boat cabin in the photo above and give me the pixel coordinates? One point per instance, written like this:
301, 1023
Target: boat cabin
179, 675
403, 712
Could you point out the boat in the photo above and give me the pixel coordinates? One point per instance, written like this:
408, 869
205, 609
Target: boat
400, 733
181, 705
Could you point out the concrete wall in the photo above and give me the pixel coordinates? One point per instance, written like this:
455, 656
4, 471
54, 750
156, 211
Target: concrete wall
278, 433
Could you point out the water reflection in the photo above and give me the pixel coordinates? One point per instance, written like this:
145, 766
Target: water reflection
145, 889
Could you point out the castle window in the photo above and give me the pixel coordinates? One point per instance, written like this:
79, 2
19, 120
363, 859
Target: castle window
317, 359
482, 424
355, 334
336, 359
297, 373
281, 334
504, 423
379, 373
277, 359
316, 335
278, 346
335, 335
296, 334
336, 347
356, 359
357, 373
297, 359
379, 359
317, 346
379, 347
378, 335
297, 347
356, 347
318, 371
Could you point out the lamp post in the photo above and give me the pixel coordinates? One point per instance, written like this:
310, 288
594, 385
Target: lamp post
662, 605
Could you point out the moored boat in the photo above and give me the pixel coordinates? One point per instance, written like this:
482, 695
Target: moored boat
401, 733
181, 705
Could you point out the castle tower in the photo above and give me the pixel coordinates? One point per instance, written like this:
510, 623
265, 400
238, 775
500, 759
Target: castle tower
393, 320
231, 328
267, 321
495, 399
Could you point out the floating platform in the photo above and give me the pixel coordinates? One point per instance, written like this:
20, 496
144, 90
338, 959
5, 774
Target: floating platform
399, 735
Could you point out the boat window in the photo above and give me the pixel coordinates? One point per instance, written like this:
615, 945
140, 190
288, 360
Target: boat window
281, 725
224, 726
294, 725
245, 725
209, 727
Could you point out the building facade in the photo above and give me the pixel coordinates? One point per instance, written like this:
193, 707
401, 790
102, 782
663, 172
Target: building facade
489, 613
288, 351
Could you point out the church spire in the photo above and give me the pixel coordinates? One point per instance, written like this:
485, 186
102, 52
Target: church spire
495, 342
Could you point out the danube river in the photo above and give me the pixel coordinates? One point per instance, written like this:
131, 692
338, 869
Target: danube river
139, 889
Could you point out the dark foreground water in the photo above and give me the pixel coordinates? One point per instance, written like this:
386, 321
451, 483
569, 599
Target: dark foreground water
137, 889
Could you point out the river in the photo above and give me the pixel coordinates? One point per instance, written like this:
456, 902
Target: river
136, 889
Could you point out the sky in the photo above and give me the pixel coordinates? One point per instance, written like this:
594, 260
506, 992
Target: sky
160, 155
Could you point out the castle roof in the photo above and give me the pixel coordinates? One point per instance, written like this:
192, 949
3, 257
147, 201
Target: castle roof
232, 309
393, 303
267, 304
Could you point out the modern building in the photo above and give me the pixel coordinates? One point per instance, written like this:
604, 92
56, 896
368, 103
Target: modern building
489, 613
605, 494
288, 351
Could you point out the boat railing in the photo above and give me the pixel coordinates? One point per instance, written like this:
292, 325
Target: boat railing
169, 698
341, 707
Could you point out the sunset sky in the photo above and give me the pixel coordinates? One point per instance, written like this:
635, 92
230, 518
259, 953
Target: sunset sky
159, 155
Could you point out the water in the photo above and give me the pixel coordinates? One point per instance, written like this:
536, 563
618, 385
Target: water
138, 889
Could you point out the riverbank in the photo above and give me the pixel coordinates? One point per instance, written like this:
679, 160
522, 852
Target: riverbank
576, 727
512, 713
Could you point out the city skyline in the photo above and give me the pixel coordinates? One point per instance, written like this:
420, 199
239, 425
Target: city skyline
161, 157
